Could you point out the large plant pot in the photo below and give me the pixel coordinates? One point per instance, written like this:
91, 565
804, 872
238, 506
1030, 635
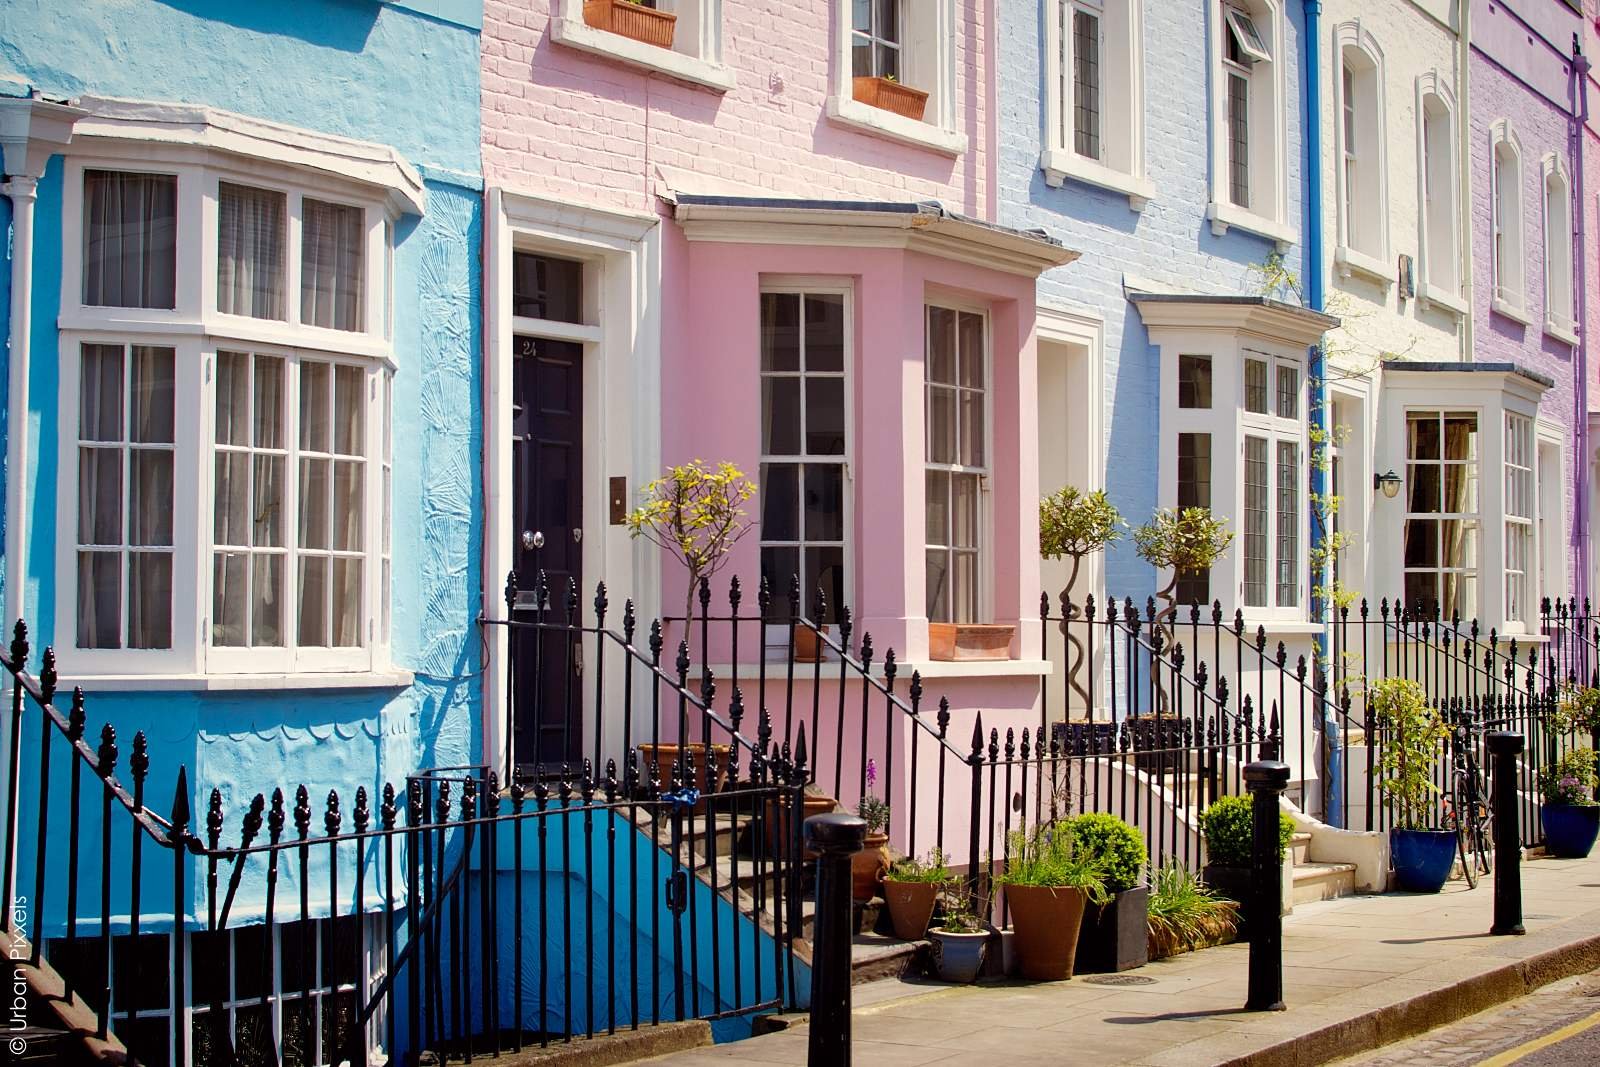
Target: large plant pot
808, 646
969, 641
910, 907
1570, 829
1422, 859
631, 20
868, 867
1230, 882
661, 760
1046, 919
778, 828
1115, 936
958, 957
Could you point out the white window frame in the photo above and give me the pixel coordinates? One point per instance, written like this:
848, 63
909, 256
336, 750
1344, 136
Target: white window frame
1120, 167
1362, 242
1555, 191
1507, 259
819, 287
929, 36
196, 330
1275, 429
695, 56
985, 553
1476, 465
1438, 194
1519, 512
1551, 442
1268, 212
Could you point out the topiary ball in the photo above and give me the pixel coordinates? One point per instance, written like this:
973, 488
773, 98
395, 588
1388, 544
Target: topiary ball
1227, 826
1116, 845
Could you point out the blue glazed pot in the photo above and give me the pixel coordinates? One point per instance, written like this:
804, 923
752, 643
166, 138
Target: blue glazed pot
1570, 829
1422, 858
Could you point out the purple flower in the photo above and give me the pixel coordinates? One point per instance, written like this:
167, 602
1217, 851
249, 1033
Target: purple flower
872, 772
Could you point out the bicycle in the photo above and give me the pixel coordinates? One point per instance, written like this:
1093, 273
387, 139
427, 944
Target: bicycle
1467, 810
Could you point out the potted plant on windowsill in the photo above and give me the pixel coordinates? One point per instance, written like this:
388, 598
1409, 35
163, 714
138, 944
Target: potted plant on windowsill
1049, 882
867, 867
1074, 525
1228, 828
960, 940
1569, 815
1114, 935
970, 641
887, 93
631, 19
1412, 735
911, 889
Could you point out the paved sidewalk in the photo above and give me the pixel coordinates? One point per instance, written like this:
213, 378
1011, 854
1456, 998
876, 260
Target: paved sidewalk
1358, 973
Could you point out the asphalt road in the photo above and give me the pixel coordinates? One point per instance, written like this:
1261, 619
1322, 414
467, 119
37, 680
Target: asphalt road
1559, 1026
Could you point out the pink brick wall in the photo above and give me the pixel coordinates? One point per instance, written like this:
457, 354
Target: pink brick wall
571, 125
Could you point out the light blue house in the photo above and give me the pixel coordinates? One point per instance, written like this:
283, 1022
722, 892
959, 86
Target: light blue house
243, 437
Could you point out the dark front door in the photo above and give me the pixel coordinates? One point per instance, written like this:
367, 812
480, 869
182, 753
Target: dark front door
547, 471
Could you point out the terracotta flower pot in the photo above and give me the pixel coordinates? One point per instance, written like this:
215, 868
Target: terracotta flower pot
1046, 919
631, 20
910, 907
808, 647
969, 641
663, 759
868, 866
778, 827
890, 96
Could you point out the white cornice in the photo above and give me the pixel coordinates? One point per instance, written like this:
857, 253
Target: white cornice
1271, 319
32, 130
197, 126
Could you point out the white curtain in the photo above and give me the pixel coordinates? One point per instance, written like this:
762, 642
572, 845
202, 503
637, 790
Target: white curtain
129, 239
331, 265
250, 277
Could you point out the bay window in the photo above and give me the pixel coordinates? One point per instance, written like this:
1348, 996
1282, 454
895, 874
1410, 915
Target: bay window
230, 468
1442, 523
954, 412
803, 446
1272, 506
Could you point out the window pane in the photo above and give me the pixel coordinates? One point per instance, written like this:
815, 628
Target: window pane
1255, 522
544, 287
888, 60
130, 239
972, 432
965, 525
1288, 524
315, 387
1422, 543
1288, 393
150, 497
1194, 382
780, 504
824, 416
1194, 470
964, 586
860, 57
824, 333
824, 570
779, 566
314, 479
151, 397
861, 16
100, 393
100, 496
941, 360
1239, 140
313, 613
1422, 487
250, 254
824, 502
1255, 386
349, 412
888, 13
99, 600
349, 497
1422, 591
230, 503
1086, 84
937, 517
331, 265
269, 402
1460, 435
267, 508
780, 416
266, 624
230, 598
1422, 435
941, 424
233, 398
780, 331
346, 593
971, 350
1458, 596
1458, 543
149, 600
938, 579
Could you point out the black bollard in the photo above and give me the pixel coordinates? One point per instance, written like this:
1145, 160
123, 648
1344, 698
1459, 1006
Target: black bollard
1266, 780
1504, 748
835, 838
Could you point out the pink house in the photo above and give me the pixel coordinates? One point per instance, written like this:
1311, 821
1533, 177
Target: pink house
747, 246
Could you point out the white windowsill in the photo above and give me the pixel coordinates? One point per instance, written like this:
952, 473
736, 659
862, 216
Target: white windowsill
847, 111
1274, 628
1511, 311
1060, 165
1225, 216
572, 31
389, 679
777, 670
1566, 334
1433, 296
1372, 268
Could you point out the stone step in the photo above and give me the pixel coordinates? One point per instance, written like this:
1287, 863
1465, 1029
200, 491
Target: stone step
1299, 846
1323, 881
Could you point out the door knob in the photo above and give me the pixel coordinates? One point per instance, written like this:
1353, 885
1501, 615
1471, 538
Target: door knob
532, 539
577, 535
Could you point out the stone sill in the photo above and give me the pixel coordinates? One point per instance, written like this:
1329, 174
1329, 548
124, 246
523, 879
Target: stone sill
1372, 268
573, 32
1226, 216
1060, 166
847, 111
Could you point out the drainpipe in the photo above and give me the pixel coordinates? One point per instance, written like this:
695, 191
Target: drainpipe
1581, 487
1464, 178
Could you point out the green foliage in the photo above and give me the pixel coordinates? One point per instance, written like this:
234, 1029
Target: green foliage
1577, 710
1118, 847
1183, 909
1050, 856
1189, 541
1228, 826
958, 915
911, 869
1570, 779
875, 810
1412, 735
1074, 523
695, 512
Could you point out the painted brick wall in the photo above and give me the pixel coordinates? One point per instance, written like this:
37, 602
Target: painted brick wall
571, 125
1519, 73
1169, 242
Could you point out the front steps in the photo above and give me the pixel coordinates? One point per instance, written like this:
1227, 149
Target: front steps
1317, 881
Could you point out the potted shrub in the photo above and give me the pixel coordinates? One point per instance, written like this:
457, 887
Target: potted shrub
868, 866
1570, 816
1074, 524
911, 889
1228, 827
1114, 935
1411, 734
887, 93
633, 19
960, 941
1048, 882
1185, 915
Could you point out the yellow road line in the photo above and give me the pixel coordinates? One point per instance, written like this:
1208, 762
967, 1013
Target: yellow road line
1512, 1055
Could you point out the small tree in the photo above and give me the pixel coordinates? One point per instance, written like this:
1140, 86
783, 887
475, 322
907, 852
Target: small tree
1074, 524
1413, 733
695, 513
1188, 541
